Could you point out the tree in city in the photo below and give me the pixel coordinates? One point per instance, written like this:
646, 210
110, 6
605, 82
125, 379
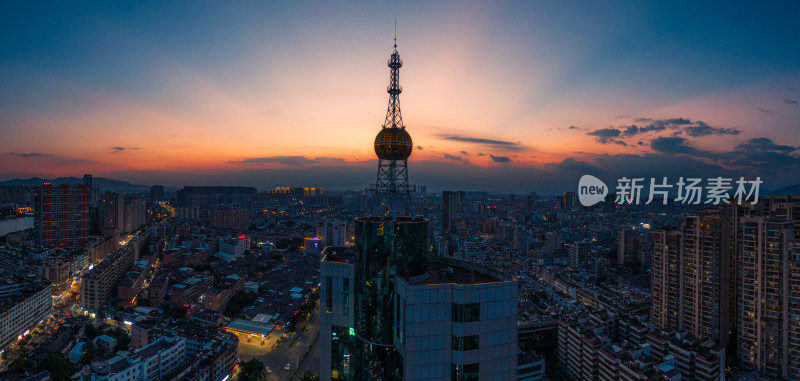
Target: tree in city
282, 243
203, 267
89, 353
91, 332
122, 337
238, 303
309, 376
23, 362
58, 366
252, 370
179, 312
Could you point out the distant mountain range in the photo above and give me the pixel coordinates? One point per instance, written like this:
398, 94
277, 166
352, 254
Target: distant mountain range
790, 190
106, 185
111, 185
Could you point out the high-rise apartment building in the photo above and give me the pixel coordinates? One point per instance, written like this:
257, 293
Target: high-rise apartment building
730, 274
157, 193
708, 270
579, 254
768, 283
94, 189
552, 241
62, 215
233, 219
442, 246
627, 246
692, 275
449, 209
665, 288
113, 213
135, 214
332, 233
569, 200
123, 215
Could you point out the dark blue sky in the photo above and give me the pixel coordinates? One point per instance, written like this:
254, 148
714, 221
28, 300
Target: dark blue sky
189, 91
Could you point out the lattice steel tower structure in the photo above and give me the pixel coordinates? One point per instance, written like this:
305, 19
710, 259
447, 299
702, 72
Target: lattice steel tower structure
393, 146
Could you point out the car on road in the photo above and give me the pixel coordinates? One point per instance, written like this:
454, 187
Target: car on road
269, 370
287, 366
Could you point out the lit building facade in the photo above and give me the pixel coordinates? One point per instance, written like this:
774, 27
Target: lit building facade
769, 297
97, 284
24, 304
692, 277
332, 233
665, 291
456, 321
62, 215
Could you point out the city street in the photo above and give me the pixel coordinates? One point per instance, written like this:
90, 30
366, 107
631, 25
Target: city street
276, 359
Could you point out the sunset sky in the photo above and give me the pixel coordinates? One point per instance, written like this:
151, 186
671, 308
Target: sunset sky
515, 96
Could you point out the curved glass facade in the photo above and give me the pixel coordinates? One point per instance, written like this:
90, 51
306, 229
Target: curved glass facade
385, 248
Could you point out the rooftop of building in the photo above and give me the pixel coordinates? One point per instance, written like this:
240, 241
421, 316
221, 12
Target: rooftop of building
117, 364
524, 358
338, 254
447, 271
17, 288
20, 374
155, 347
252, 327
398, 219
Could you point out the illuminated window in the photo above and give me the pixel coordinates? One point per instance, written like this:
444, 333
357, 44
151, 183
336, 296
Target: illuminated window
468, 372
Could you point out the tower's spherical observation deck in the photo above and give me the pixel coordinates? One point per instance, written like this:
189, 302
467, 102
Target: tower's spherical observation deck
393, 144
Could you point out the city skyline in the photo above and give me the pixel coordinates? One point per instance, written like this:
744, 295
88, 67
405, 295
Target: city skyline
500, 96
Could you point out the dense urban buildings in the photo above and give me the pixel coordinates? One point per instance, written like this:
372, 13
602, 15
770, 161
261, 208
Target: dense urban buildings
501, 272
634, 293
